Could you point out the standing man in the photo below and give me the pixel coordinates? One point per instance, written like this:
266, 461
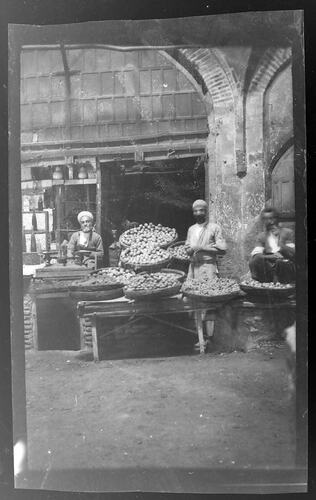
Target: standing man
86, 239
273, 258
204, 241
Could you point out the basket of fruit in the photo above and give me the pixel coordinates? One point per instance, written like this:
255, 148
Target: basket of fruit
96, 288
83, 294
149, 286
178, 252
119, 274
176, 273
211, 290
148, 233
95, 282
144, 258
266, 291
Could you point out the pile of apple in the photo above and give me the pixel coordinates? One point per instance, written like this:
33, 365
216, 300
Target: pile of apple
157, 235
210, 287
266, 286
146, 282
96, 280
145, 254
179, 252
117, 273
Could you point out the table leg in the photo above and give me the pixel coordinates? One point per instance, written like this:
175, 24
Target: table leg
199, 326
210, 327
34, 324
82, 330
95, 346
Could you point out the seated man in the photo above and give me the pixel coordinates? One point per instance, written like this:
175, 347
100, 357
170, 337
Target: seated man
273, 258
86, 239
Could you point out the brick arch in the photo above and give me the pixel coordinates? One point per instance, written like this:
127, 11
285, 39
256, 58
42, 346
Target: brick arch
265, 66
215, 73
269, 64
214, 77
193, 76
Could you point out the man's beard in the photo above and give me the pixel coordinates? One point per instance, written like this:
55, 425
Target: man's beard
200, 218
272, 227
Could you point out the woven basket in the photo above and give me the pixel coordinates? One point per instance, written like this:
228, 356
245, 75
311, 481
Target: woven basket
172, 242
120, 283
178, 244
212, 298
267, 293
166, 245
92, 288
180, 274
146, 267
79, 295
151, 294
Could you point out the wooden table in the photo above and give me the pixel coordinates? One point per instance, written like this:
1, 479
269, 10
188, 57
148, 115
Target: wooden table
135, 310
229, 316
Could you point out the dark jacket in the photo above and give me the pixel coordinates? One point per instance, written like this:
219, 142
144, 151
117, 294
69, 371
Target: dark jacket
95, 244
285, 237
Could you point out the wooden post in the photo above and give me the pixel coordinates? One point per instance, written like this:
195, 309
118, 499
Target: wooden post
298, 75
33, 242
70, 172
98, 196
95, 346
12, 347
82, 330
102, 218
60, 190
23, 240
34, 221
87, 189
199, 326
34, 324
47, 235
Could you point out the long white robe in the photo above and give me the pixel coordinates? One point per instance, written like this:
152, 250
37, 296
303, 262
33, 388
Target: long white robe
203, 263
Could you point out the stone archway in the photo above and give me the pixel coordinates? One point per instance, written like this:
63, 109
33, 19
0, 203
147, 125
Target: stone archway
225, 143
268, 65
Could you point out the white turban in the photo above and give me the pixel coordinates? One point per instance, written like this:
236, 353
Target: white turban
199, 204
84, 214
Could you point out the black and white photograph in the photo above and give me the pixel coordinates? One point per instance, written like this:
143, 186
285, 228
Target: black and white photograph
158, 276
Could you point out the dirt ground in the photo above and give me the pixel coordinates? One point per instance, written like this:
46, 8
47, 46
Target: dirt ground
218, 410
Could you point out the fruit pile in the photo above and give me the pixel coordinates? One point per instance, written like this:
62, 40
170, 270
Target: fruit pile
95, 280
117, 273
138, 255
266, 286
210, 288
152, 282
179, 252
148, 233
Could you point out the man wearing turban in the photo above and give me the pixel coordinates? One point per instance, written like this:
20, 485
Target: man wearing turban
204, 241
86, 239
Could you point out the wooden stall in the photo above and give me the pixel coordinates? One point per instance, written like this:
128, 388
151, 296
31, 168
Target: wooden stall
230, 333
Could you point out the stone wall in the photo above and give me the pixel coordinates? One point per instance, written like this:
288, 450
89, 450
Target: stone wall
247, 126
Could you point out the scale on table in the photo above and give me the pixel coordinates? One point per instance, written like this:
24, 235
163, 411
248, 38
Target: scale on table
64, 267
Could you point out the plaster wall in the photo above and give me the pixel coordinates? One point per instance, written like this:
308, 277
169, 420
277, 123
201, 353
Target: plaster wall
253, 134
